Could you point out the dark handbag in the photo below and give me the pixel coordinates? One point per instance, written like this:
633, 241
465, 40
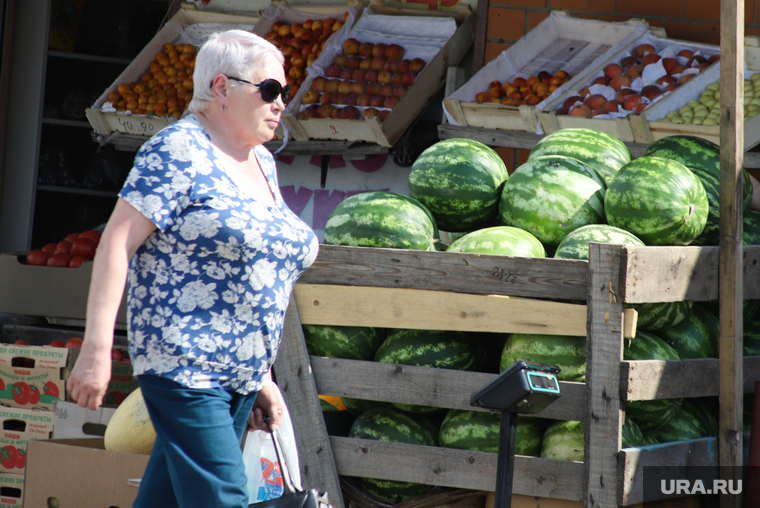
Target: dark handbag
293, 497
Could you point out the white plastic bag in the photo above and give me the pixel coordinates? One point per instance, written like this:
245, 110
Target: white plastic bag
261, 466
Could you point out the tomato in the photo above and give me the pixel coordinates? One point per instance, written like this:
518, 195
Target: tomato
8, 456
34, 394
116, 355
71, 237
74, 342
21, 393
63, 246
83, 247
60, 259
51, 390
92, 235
21, 343
37, 258
58, 343
21, 460
77, 261
115, 397
50, 248
2, 384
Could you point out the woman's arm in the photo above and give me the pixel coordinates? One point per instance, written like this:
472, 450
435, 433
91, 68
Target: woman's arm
126, 230
268, 402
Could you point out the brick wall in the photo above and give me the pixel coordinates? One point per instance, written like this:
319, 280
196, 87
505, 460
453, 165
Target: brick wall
691, 20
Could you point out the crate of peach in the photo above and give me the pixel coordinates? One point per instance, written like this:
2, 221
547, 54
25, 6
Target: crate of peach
615, 96
155, 89
373, 85
544, 63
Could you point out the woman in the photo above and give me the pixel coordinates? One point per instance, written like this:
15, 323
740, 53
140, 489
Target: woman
210, 253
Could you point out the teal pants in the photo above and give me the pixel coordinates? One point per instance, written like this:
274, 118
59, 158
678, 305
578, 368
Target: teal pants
196, 460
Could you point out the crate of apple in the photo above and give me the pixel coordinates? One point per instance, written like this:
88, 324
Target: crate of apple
522, 90
70, 252
301, 44
371, 76
613, 91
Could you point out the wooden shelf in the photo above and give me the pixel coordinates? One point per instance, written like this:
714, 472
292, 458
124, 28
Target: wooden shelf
90, 58
75, 190
66, 123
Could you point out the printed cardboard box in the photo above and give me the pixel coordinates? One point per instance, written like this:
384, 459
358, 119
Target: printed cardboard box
74, 422
18, 427
11, 490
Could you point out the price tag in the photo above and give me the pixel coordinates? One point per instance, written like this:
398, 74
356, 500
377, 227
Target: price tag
141, 126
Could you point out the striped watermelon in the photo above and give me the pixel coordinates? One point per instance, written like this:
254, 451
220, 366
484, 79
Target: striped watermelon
491, 346
658, 200
685, 424
566, 352
563, 440
393, 425
694, 337
575, 244
651, 414
749, 308
552, 196
603, 153
429, 348
658, 315
382, 219
706, 409
351, 342
751, 227
359, 406
631, 435
649, 439
479, 430
702, 157
501, 240
460, 181
647, 346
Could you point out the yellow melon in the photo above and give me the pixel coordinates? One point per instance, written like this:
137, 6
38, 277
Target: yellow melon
130, 429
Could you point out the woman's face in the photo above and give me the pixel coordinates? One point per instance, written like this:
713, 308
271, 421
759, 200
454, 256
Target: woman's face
257, 119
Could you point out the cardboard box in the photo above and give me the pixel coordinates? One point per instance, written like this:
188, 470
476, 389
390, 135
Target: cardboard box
35, 376
11, 490
18, 427
188, 25
439, 53
80, 473
74, 422
46, 290
559, 42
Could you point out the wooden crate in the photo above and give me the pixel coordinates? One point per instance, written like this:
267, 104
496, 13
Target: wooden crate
430, 79
559, 42
187, 19
401, 288
626, 128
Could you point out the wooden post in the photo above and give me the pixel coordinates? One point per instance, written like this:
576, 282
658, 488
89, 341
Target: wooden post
604, 352
481, 27
731, 287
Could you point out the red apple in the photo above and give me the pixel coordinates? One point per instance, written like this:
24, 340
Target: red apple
580, 110
598, 112
625, 92
561, 111
612, 106
650, 58
713, 59
685, 77
571, 100
620, 82
664, 80
628, 61
613, 70
669, 64
651, 91
601, 80
685, 53
670, 87
642, 49
595, 102
632, 101
634, 71
584, 91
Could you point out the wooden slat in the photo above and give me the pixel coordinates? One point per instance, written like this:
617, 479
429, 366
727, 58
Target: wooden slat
656, 379
604, 351
449, 271
434, 465
320, 304
680, 456
424, 386
294, 377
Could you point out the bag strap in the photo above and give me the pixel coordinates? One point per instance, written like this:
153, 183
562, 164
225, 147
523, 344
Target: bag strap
282, 458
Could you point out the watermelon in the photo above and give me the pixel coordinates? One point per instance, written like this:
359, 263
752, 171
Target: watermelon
563, 440
429, 348
501, 240
552, 196
749, 308
631, 434
651, 414
685, 424
358, 406
603, 153
350, 342
702, 157
460, 182
694, 337
479, 430
382, 219
575, 244
566, 352
751, 228
491, 346
751, 342
648, 439
658, 200
647, 346
658, 315
393, 425
706, 409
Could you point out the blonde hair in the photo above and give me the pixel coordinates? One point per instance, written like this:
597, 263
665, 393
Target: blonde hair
234, 53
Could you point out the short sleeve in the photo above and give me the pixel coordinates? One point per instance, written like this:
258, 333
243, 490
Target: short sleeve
160, 183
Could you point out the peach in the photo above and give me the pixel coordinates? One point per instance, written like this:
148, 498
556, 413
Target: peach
335, 113
373, 88
311, 111
383, 114
365, 49
350, 98
366, 63
346, 74
403, 65
595, 102
398, 77
613, 70
369, 112
338, 98
641, 50
409, 78
358, 87
394, 51
325, 110
571, 100
390, 102
620, 82
344, 86
651, 91
417, 64
340, 59
332, 85
378, 63
363, 100
358, 75
387, 90
353, 61
384, 76
350, 113
650, 58
370, 76
351, 46
333, 71
376, 101
632, 101
634, 71
310, 97
580, 110
318, 83
325, 98
392, 64
379, 50
399, 90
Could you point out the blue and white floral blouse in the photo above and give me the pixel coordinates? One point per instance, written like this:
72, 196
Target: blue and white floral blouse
208, 290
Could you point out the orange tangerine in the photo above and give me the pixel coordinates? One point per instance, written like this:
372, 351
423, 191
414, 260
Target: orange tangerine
188, 84
152, 99
169, 47
149, 108
123, 89
562, 74
532, 80
143, 99
506, 101
482, 97
519, 82
114, 97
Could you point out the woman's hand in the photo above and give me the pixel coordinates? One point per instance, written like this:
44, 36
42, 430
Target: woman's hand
89, 379
268, 403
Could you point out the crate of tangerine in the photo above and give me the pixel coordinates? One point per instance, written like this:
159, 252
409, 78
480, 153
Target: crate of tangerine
548, 60
154, 90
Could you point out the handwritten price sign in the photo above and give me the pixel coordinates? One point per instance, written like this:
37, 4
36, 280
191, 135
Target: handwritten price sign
139, 126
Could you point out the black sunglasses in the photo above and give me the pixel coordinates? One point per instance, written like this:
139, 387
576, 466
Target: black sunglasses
270, 89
